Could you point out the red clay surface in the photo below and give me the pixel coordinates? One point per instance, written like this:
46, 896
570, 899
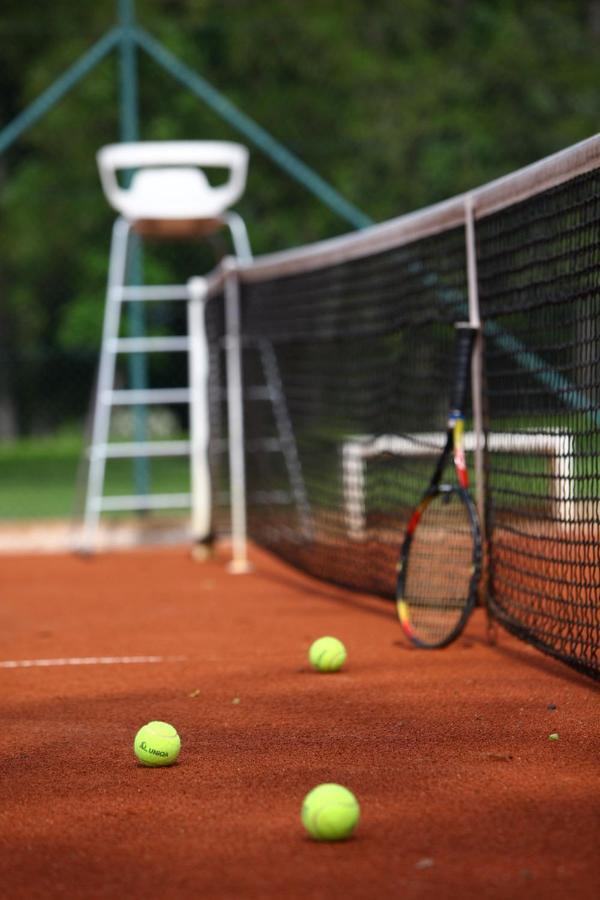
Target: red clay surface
462, 793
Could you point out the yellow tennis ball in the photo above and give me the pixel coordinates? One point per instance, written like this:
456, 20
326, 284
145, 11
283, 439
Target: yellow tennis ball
330, 812
327, 654
157, 744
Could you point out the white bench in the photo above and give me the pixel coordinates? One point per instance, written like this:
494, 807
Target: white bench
358, 449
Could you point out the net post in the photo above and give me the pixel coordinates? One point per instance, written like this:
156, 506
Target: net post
239, 563
353, 479
199, 420
477, 401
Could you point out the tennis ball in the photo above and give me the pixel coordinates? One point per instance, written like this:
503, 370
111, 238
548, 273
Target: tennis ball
157, 744
327, 654
330, 812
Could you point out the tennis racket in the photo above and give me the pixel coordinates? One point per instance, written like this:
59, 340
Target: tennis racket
440, 559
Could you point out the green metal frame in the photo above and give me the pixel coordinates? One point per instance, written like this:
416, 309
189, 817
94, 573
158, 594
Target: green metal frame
127, 38
136, 324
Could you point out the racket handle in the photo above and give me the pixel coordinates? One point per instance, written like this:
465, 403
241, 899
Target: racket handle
465, 338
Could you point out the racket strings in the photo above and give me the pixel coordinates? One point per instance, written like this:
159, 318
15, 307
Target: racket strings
439, 569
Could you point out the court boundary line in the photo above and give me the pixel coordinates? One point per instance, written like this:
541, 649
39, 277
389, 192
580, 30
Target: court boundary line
86, 661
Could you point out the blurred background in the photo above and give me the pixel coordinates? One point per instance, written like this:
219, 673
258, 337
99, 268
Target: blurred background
395, 103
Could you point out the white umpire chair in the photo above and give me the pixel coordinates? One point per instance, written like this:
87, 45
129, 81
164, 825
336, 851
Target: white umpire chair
169, 196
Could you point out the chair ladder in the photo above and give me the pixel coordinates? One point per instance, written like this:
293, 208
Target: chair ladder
107, 397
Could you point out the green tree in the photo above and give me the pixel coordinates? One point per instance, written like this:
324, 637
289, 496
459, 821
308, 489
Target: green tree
397, 104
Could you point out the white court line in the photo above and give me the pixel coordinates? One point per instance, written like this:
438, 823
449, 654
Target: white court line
86, 661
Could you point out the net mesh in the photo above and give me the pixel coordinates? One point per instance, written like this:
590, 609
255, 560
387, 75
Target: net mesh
539, 283
360, 350
346, 380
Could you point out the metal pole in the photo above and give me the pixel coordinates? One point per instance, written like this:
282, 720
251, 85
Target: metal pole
477, 402
476, 364
129, 121
199, 419
235, 415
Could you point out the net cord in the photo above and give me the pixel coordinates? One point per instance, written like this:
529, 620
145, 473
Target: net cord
487, 199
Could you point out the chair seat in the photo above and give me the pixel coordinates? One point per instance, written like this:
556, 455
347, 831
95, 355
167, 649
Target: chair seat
170, 193
169, 183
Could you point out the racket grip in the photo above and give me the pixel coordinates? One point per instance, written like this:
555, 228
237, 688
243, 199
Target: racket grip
465, 338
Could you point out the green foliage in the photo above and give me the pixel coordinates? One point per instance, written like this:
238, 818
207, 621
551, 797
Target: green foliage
37, 476
396, 104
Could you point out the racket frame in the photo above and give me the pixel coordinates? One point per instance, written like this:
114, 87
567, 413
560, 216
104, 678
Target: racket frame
454, 446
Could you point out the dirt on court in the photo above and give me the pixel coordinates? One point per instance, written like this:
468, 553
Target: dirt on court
463, 794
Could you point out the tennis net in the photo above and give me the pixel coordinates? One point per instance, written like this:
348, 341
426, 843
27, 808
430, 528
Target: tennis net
345, 348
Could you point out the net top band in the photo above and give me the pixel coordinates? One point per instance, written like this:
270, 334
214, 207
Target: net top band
492, 197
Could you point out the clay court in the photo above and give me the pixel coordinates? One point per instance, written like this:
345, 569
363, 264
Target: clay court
462, 792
